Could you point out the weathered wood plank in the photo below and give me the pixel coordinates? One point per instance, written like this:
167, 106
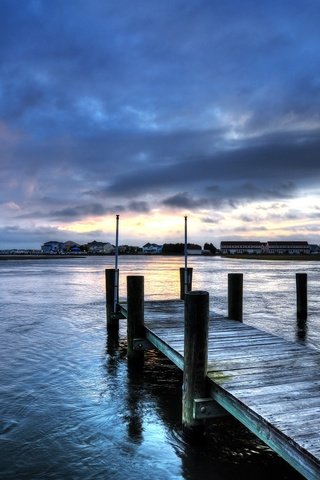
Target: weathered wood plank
255, 380
293, 453
269, 384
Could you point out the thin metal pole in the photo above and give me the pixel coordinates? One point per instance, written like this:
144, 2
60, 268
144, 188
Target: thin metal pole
185, 254
116, 282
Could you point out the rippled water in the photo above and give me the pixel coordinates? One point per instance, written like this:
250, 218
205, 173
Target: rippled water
70, 407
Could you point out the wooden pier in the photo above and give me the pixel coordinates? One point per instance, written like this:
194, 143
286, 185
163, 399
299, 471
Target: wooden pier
269, 384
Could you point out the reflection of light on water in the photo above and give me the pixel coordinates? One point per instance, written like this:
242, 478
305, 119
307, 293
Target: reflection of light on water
68, 404
269, 286
161, 275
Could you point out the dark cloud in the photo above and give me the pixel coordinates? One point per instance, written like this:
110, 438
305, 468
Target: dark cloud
183, 200
79, 211
140, 207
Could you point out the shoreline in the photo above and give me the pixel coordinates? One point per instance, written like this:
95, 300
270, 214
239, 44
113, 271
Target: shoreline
38, 257
308, 258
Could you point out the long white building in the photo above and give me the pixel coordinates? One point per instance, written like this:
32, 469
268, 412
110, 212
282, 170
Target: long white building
286, 247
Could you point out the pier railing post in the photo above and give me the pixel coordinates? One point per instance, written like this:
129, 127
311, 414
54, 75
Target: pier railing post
135, 313
185, 281
302, 296
112, 317
235, 296
195, 357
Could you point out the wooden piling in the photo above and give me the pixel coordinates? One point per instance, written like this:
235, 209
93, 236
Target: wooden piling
112, 316
302, 296
195, 357
135, 313
235, 296
185, 281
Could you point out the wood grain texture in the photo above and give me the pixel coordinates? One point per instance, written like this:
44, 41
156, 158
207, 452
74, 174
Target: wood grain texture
269, 384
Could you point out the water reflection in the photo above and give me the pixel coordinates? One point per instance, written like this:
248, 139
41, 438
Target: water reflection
71, 405
133, 399
112, 350
302, 329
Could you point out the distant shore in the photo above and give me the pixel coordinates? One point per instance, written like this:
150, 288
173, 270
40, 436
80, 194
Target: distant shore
308, 258
38, 257
311, 257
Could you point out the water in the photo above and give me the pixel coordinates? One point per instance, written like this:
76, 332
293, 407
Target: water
71, 408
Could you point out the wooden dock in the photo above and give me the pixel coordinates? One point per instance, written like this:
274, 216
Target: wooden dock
269, 384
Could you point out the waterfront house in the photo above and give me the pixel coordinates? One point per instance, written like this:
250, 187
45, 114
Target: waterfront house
240, 247
152, 248
288, 247
314, 249
100, 248
70, 246
52, 247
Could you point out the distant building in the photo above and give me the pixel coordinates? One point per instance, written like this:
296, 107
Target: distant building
194, 249
75, 249
52, 247
100, 247
152, 248
272, 247
288, 247
70, 246
240, 247
129, 250
314, 249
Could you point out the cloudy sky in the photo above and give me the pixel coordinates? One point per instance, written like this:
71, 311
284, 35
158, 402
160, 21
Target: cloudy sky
155, 110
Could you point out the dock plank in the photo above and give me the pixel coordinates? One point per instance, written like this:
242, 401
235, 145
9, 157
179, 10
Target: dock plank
270, 384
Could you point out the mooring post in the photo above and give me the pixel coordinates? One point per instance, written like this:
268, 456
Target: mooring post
111, 278
185, 281
135, 314
302, 296
235, 296
196, 320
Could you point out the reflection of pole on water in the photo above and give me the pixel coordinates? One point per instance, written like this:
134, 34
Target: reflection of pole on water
116, 280
134, 400
112, 351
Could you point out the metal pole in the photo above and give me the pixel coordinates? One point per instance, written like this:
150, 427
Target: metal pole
185, 255
116, 282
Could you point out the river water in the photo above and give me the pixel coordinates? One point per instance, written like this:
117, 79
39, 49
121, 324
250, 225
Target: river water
70, 407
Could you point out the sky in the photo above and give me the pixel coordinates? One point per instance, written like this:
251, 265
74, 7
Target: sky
156, 110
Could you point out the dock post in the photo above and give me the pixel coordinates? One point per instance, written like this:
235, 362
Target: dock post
235, 296
196, 320
302, 296
185, 281
135, 314
112, 317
